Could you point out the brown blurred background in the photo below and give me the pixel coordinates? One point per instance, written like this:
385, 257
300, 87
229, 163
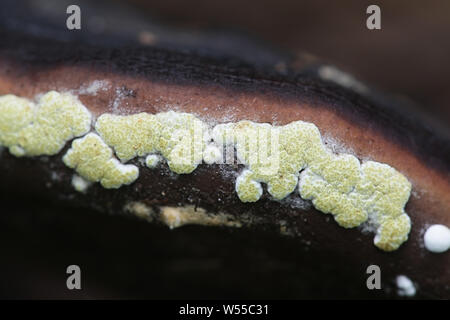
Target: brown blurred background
410, 55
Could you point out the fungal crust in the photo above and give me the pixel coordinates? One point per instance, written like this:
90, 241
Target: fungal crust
30, 129
279, 157
93, 160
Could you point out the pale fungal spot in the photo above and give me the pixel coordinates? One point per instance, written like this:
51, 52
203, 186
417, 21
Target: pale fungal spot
93, 88
139, 209
175, 217
147, 37
30, 129
55, 176
280, 157
80, 184
437, 238
336, 146
405, 287
93, 160
344, 79
152, 160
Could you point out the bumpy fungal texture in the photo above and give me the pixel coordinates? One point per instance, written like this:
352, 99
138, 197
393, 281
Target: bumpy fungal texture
336, 184
281, 157
274, 155
131, 136
152, 160
30, 129
93, 160
177, 136
372, 190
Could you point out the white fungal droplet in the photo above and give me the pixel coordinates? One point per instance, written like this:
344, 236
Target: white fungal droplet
437, 238
80, 184
405, 287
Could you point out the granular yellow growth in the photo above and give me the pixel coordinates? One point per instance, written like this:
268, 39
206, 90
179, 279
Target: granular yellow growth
274, 155
152, 160
279, 156
93, 160
177, 136
30, 129
336, 184
247, 188
130, 136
